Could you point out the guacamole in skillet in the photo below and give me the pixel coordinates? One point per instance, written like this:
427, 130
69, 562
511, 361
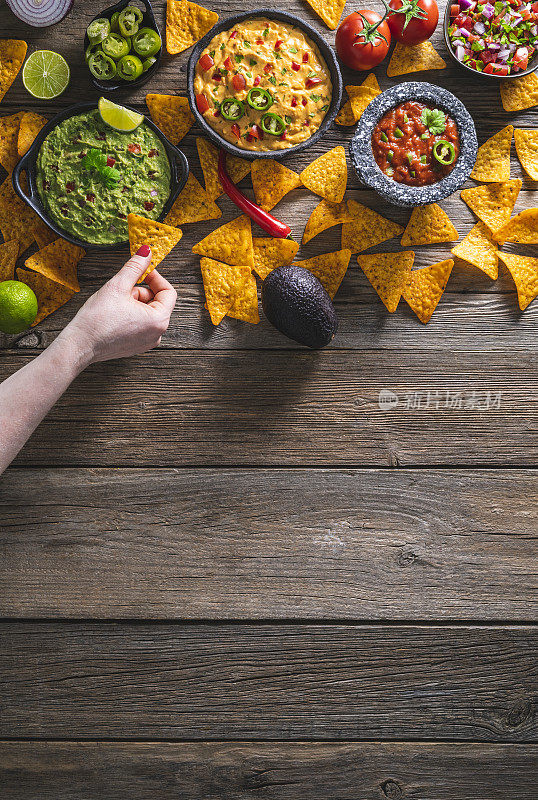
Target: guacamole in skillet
92, 203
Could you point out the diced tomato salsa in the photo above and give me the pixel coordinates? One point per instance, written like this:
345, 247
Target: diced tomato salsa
498, 38
404, 141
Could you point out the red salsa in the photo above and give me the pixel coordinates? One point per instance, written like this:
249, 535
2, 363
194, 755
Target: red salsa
416, 144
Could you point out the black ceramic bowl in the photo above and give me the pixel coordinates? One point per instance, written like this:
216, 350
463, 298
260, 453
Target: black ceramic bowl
179, 170
533, 66
148, 21
326, 52
400, 194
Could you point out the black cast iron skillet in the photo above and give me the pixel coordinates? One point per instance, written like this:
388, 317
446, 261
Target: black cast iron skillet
148, 21
179, 171
326, 52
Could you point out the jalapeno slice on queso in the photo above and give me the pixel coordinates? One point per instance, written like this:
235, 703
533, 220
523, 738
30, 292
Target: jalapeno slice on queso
263, 85
416, 144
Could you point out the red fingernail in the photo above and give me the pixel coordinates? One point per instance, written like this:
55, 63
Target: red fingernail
143, 251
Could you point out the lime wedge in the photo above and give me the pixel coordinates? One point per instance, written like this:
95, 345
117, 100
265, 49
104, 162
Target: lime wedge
45, 74
118, 117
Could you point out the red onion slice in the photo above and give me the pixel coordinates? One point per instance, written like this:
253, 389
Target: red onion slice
40, 13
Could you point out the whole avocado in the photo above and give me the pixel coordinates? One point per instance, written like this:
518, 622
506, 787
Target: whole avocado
296, 303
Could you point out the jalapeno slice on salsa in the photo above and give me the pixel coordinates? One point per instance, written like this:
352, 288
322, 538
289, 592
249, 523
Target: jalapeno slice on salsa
129, 20
272, 124
115, 46
444, 152
232, 109
98, 30
101, 66
260, 99
146, 42
130, 68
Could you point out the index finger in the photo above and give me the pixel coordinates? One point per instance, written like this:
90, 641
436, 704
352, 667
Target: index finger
164, 292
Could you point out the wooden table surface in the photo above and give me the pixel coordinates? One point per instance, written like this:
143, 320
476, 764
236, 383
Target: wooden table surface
231, 570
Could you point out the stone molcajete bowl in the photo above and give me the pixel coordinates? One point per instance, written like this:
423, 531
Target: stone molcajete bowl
400, 194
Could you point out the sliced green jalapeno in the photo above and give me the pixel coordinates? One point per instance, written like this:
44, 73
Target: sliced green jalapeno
146, 42
101, 66
129, 20
273, 124
98, 30
92, 48
444, 152
114, 26
130, 68
398, 133
149, 62
115, 46
260, 99
232, 109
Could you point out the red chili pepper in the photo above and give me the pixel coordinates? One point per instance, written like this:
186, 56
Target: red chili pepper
152, 153
257, 80
217, 76
111, 161
268, 68
260, 41
239, 82
262, 218
278, 43
228, 63
149, 206
282, 136
236, 130
70, 186
233, 34
313, 82
305, 58
202, 103
134, 147
256, 132
304, 101
295, 66
206, 62
293, 102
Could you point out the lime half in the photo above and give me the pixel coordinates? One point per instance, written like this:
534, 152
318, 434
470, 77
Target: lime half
118, 117
45, 74
18, 307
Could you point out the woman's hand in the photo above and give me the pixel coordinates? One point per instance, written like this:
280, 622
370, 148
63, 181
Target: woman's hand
122, 319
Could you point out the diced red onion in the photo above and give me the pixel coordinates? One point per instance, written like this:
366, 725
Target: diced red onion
488, 11
479, 27
494, 46
154, 193
460, 52
464, 32
516, 19
534, 30
40, 13
504, 54
465, 4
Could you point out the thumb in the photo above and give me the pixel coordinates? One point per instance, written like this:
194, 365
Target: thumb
130, 273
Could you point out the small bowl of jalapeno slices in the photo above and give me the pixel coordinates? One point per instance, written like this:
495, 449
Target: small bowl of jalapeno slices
122, 46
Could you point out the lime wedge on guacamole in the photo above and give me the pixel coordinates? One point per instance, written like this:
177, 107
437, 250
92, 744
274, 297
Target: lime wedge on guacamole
45, 74
118, 117
18, 307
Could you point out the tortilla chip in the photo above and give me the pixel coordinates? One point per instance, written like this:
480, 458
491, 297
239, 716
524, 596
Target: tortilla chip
425, 288
58, 262
272, 181
30, 126
43, 234
171, 114
186, 24
521, 229
388, 273
193, 204
272, 253
524, 271
493, 161
329, 269
329, 11
414, 58
232, 243
429, 225
367, 229
17, 220
160, 237
50, 295
527, 151
520, 93
324, 216
9, 134
223, 284
359, 98
327, 175
209, 157
8, 257
493, 204
12, 55
478, 249
245, 306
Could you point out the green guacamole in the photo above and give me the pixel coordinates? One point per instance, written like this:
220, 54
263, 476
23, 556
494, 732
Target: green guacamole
79, 200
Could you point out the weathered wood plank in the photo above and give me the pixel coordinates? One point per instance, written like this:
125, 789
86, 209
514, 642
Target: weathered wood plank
175, 408
94, 681
208, 544
247, 771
